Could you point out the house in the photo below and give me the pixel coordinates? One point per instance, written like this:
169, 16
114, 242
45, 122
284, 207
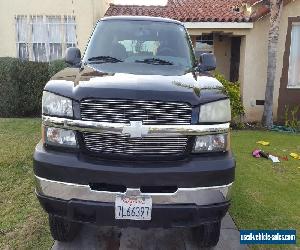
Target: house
41, 30
236, 31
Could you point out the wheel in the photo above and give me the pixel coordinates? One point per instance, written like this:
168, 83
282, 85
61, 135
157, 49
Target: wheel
208, 234
62, 229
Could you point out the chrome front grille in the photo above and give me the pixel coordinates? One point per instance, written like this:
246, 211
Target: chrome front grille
124, 111
109, 143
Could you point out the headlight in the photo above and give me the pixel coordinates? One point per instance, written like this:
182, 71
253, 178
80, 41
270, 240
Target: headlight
56, 105
211, 143
60, 137
218, 111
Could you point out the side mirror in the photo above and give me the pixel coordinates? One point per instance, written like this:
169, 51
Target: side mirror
207, 62
73, 56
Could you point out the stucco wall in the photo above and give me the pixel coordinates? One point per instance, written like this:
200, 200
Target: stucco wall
86, 13
253, 70
222, 51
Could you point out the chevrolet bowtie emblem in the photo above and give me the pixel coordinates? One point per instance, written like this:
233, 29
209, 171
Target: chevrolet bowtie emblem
135, 129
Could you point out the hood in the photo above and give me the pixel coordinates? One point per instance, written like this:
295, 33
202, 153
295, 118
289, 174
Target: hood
178, 87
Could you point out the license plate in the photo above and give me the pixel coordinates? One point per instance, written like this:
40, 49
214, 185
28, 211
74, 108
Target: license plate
133, 208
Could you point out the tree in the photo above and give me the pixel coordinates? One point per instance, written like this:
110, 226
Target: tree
275, 11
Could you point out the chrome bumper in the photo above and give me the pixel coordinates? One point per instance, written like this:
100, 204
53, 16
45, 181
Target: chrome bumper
121, 128
68, 191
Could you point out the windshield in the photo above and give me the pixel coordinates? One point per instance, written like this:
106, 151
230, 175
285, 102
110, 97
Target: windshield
132, 42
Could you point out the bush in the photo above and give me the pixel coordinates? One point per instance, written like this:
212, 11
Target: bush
22, 84
233, 91
291, 115
7, 95
56, 66
21, 87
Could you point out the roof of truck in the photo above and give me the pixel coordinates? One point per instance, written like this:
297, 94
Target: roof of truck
141, 18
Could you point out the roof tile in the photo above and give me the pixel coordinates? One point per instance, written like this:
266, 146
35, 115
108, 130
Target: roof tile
187, 10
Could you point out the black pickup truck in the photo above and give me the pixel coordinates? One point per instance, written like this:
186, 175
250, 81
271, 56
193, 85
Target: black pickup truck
135, 134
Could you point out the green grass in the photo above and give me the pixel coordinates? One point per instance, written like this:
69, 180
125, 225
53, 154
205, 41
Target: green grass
265, 195
23, 225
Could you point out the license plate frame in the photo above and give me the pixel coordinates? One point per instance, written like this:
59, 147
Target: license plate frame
138, 208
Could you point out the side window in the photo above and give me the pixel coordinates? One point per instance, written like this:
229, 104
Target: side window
294, 61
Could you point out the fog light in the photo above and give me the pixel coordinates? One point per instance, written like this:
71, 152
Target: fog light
211, 143
60, 137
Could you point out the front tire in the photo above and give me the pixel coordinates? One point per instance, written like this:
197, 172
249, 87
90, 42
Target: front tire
208, 234
62, 229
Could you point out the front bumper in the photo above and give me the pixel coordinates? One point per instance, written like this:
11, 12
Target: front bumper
71, 191
187, 207
165, 216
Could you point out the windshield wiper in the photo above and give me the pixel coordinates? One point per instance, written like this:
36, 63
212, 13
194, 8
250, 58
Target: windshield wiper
104, 59
155, 61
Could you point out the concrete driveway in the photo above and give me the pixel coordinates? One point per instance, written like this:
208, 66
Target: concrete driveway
108, 238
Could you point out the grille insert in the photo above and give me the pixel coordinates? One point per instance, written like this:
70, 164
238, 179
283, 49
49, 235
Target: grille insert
124, 111
109, 143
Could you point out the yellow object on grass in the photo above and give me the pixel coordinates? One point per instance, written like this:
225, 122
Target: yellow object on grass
264, 143
295, 156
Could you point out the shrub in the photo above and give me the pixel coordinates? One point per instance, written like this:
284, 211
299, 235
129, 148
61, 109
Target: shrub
233, 91
7, 93
56, 66
291, 115
21, 86
22, 83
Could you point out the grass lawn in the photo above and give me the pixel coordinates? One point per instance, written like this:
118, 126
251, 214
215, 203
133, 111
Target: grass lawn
265, 196
23, 225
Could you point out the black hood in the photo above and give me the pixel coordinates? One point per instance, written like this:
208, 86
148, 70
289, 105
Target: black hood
174, 85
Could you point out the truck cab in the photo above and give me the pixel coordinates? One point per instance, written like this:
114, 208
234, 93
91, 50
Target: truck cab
136, 133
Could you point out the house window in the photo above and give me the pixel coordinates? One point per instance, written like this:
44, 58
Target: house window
205, 43
21, 27
294, 61
55, 37
39, 35
70, 31
44, 38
